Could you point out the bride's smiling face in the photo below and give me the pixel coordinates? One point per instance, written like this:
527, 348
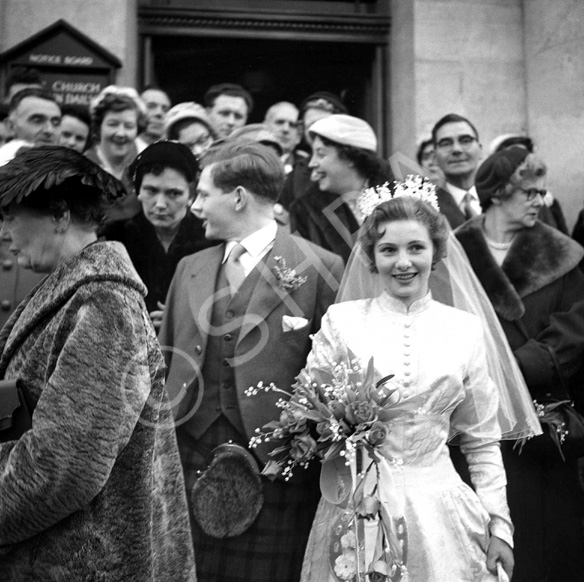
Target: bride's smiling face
403, 257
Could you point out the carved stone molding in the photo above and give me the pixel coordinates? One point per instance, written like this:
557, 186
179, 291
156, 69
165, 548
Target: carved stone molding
368, 29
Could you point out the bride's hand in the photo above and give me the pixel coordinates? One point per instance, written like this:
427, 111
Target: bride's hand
500, 551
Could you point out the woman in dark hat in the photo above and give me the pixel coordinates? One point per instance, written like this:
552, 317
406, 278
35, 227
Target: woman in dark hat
94, 489
530, 272
164, 231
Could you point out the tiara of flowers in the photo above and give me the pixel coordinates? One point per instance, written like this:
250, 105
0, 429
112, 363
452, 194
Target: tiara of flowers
414, 186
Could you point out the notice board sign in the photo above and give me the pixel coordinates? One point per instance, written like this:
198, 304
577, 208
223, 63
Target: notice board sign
73, 67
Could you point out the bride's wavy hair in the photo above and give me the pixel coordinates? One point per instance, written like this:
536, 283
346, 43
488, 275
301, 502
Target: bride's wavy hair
404, 208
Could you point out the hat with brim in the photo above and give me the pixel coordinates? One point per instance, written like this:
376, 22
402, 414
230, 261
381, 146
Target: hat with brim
496, 171
187, 110
346, 130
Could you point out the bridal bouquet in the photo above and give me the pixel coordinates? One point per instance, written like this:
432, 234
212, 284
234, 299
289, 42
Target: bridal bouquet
330, 414
340, 415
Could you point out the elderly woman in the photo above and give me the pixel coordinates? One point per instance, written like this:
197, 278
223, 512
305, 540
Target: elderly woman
94, 490
344, 163
117, 114
530, 272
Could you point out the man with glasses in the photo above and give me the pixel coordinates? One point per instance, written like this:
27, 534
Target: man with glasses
458, 153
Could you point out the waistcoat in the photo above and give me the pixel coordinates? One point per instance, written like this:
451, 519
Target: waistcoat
218, 371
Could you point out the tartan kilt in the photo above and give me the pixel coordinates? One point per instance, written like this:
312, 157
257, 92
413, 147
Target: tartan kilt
272, 549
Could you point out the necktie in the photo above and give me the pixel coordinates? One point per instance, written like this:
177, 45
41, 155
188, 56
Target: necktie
467, 206
234, 269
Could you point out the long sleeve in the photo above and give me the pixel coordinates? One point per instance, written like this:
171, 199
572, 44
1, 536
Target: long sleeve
476, 420
89, 407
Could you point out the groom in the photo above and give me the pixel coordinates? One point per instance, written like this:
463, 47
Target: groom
238, 314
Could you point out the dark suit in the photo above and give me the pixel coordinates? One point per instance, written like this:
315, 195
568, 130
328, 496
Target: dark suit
260, 350
450, 208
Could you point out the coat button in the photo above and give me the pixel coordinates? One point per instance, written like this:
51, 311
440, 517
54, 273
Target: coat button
5, 305
227, 337
198, 350
7, 264
225, 362
226, 385
218, 408
229, 314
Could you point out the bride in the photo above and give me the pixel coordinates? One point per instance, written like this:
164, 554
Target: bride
438, 360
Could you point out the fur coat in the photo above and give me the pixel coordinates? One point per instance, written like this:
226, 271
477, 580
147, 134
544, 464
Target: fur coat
94, 491
538, 294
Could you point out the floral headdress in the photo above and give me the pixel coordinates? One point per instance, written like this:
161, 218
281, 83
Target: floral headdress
414, 186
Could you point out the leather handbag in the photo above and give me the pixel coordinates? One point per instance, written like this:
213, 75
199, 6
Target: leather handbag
16, 409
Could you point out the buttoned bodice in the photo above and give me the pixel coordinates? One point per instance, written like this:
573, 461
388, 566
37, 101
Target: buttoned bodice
436, 355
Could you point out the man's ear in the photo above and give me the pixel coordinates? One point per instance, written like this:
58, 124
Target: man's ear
9, 123
241, 198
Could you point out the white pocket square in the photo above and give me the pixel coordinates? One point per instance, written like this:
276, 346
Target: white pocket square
290, 323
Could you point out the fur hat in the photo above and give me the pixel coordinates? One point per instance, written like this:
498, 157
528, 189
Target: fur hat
228, 496
346, 130
496, 171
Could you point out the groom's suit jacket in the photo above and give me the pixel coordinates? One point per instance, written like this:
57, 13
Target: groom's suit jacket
264, 351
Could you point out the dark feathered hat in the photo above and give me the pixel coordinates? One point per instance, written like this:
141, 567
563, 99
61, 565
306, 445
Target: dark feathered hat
43, 168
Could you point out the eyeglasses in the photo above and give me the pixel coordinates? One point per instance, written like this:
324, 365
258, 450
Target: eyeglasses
531, 193
464, 141
202, 142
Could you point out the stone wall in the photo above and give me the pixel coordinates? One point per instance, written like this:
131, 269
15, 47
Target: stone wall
554, 57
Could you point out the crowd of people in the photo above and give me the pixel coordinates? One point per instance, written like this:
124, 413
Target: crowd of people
160, 259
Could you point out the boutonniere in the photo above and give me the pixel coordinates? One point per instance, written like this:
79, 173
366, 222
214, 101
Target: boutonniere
287, 278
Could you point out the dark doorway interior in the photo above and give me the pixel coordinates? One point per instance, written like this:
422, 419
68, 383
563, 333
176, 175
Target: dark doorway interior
273, 70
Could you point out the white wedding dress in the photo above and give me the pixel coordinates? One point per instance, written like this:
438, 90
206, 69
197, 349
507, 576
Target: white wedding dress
437, 355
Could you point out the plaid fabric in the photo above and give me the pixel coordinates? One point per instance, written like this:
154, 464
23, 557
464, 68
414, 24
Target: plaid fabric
272, 549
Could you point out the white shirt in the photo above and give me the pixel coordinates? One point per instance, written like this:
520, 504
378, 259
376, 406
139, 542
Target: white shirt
458, 194
10, 149
256, 246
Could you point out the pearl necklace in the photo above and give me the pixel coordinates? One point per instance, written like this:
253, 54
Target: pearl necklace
499, 246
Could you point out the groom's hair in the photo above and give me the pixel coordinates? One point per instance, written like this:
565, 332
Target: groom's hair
252, 165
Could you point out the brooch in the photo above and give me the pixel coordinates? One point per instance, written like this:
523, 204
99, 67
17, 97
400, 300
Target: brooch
287, 278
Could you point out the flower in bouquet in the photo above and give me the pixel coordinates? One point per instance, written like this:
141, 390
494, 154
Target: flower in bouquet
329, 414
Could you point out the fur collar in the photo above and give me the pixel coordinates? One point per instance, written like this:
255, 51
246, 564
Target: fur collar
538, 256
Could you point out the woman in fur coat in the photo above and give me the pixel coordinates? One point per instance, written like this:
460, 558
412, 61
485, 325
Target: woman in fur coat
94, 490
530, 272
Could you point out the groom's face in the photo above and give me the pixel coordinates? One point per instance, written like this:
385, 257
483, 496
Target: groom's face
215, 208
